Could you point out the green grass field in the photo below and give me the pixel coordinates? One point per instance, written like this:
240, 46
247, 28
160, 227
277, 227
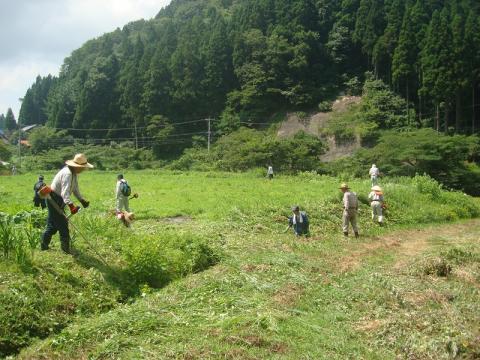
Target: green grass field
206, 271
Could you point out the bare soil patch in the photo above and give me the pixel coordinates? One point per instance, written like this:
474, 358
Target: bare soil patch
407, 243
180, 219
256, 267
288, 295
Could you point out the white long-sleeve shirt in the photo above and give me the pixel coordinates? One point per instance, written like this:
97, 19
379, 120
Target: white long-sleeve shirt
374, 171
350, 200
65, 184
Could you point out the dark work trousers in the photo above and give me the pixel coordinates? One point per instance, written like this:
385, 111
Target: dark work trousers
56, 222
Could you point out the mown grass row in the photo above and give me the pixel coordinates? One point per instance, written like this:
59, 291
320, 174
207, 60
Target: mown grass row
229, 216
41, 292
288, 299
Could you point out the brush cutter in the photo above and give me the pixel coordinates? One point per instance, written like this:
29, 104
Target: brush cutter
44, 193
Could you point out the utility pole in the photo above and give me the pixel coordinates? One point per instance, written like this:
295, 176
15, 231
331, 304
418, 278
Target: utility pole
19, 146
209, 134
136, 136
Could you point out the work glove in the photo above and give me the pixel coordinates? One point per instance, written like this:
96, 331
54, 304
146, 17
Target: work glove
73, 209
85, 203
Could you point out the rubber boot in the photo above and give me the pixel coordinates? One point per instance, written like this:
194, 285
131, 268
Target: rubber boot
345, 234
45, 242
356, 234
65, 245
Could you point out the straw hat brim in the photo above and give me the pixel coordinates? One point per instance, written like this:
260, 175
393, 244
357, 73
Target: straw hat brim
74, 164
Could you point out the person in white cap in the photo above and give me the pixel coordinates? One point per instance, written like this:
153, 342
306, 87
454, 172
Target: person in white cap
376, 202
350, 209
374, 172
64, 184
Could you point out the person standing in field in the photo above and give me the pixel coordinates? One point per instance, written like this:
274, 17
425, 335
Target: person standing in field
122, 192
374, 173
376, 202
37, 200
64, 184
350, 209
299, 221
270, 172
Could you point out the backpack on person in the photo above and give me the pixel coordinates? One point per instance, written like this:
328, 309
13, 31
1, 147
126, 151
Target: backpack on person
125, 189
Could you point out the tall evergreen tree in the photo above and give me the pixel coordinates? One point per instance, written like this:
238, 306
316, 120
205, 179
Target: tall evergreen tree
369, 26
387, 42
437, 64
2, 122
472, 60
10, 123
405, 57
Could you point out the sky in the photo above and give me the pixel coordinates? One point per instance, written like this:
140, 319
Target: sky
37, 35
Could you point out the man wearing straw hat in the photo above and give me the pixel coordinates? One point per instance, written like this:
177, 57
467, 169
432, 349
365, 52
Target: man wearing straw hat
350, 208
376, 202
64, 184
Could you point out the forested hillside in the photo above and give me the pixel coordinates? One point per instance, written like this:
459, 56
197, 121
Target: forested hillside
242, 61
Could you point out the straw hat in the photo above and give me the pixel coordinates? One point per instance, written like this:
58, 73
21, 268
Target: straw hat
344, 186
80, 161
376, 188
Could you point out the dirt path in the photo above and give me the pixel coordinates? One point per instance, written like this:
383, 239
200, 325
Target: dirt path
406, 243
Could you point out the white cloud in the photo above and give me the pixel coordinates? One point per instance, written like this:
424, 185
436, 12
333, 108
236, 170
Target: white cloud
16, 78
37, 35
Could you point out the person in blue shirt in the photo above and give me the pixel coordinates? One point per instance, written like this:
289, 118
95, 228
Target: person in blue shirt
299, 221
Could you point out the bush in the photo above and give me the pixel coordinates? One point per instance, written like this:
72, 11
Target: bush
325, 106
156, 261
5, 153
103, 157
443, 158
44, 138
383, 107
248, 149
426, 185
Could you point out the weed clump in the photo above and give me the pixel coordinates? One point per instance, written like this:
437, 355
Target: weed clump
159, 259
434, 266
461, 256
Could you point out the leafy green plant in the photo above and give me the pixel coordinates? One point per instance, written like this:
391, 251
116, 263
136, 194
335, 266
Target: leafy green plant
426, 185
7, 238
158, 260
325, 106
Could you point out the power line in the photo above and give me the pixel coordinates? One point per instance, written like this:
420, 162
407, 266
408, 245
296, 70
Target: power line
129, 128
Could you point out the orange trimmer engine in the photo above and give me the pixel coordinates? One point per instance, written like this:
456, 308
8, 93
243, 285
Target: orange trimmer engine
44, 191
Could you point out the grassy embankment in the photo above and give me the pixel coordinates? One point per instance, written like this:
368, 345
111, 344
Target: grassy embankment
409, 294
